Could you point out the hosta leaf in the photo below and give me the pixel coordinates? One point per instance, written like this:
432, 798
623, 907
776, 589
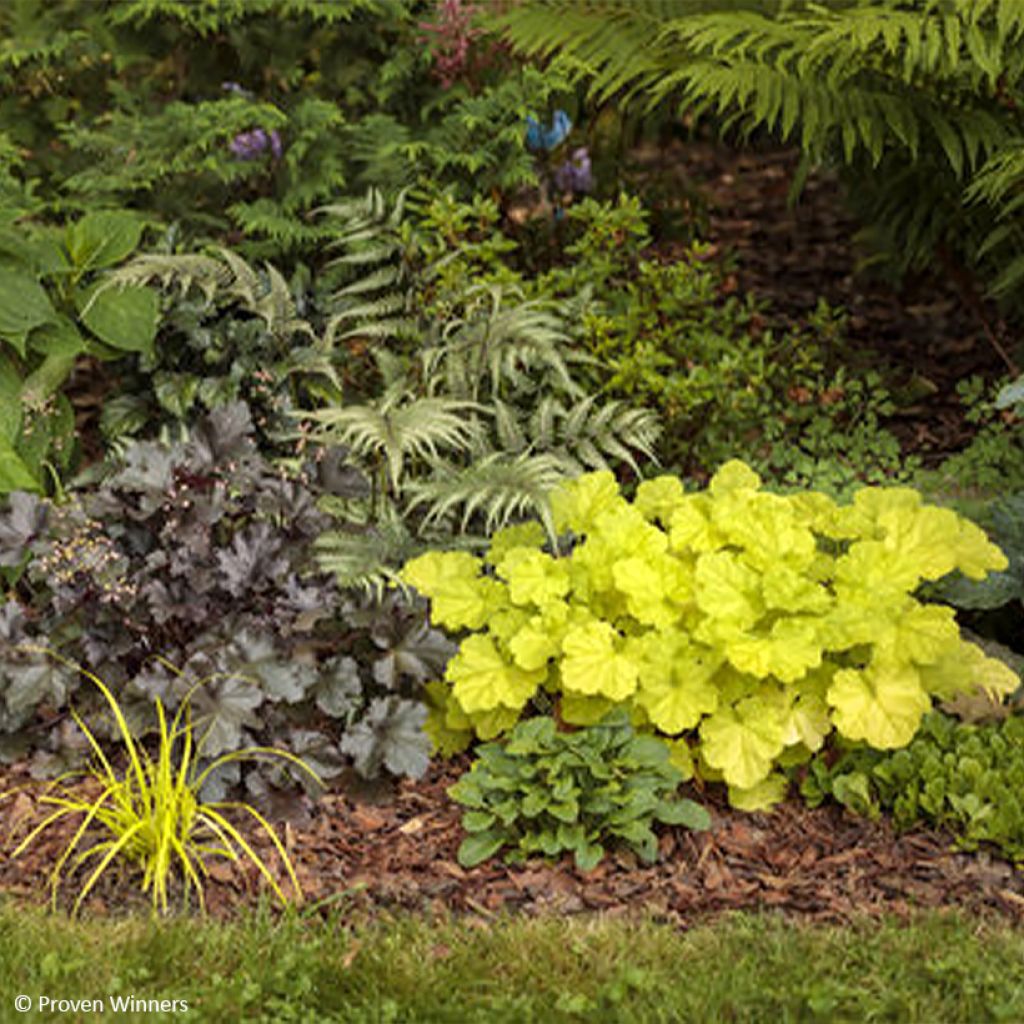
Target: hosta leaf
15, 475
23, 305
102, 238
882, 705
390, 735
124, 318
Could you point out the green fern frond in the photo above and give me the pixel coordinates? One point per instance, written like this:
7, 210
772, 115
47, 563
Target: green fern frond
367, 558
398, 428
499, 488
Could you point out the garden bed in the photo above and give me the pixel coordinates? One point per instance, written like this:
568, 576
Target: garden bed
398, 851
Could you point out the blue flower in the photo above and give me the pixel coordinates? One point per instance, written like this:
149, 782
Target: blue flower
539, 137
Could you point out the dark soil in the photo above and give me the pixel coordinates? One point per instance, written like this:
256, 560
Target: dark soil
925, 335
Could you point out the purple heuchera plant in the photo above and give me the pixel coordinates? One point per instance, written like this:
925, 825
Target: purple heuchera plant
252, 145
575, 174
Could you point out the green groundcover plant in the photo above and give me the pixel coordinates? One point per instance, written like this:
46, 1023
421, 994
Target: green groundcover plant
746, 623
965, 777
153, 812
545, 792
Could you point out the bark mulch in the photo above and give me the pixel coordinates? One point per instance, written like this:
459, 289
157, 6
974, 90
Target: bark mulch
399, 853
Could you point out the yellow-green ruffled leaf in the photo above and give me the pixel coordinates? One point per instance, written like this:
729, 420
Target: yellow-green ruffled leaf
460, 597
787, 652
690, 527
491, 724
681, 757
742, 741
761, 797
520, 535
922, 634
483, 680
534, 577
785, 589
728, 590
975, 553
659, 498
575, 505
592, 665
735, 475
579, 709
882, 705
676, 688
534, 644
448, 727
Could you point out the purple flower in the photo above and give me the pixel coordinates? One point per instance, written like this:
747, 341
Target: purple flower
252, 145
575, 174
235, 88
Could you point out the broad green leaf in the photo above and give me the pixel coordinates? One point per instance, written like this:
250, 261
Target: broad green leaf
124, 318
14, 474
24, 305
685, 812
479, 846
882, 704
742, 742
483, 680
591, 664
102, 238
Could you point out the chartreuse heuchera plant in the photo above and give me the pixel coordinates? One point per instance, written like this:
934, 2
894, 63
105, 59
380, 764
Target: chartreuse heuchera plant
742, 626
153, 813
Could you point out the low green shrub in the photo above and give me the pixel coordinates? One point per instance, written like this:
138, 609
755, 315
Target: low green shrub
968, 778
749, 624
545, 792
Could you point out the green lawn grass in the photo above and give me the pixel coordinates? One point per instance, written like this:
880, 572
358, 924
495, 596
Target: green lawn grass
936, 969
